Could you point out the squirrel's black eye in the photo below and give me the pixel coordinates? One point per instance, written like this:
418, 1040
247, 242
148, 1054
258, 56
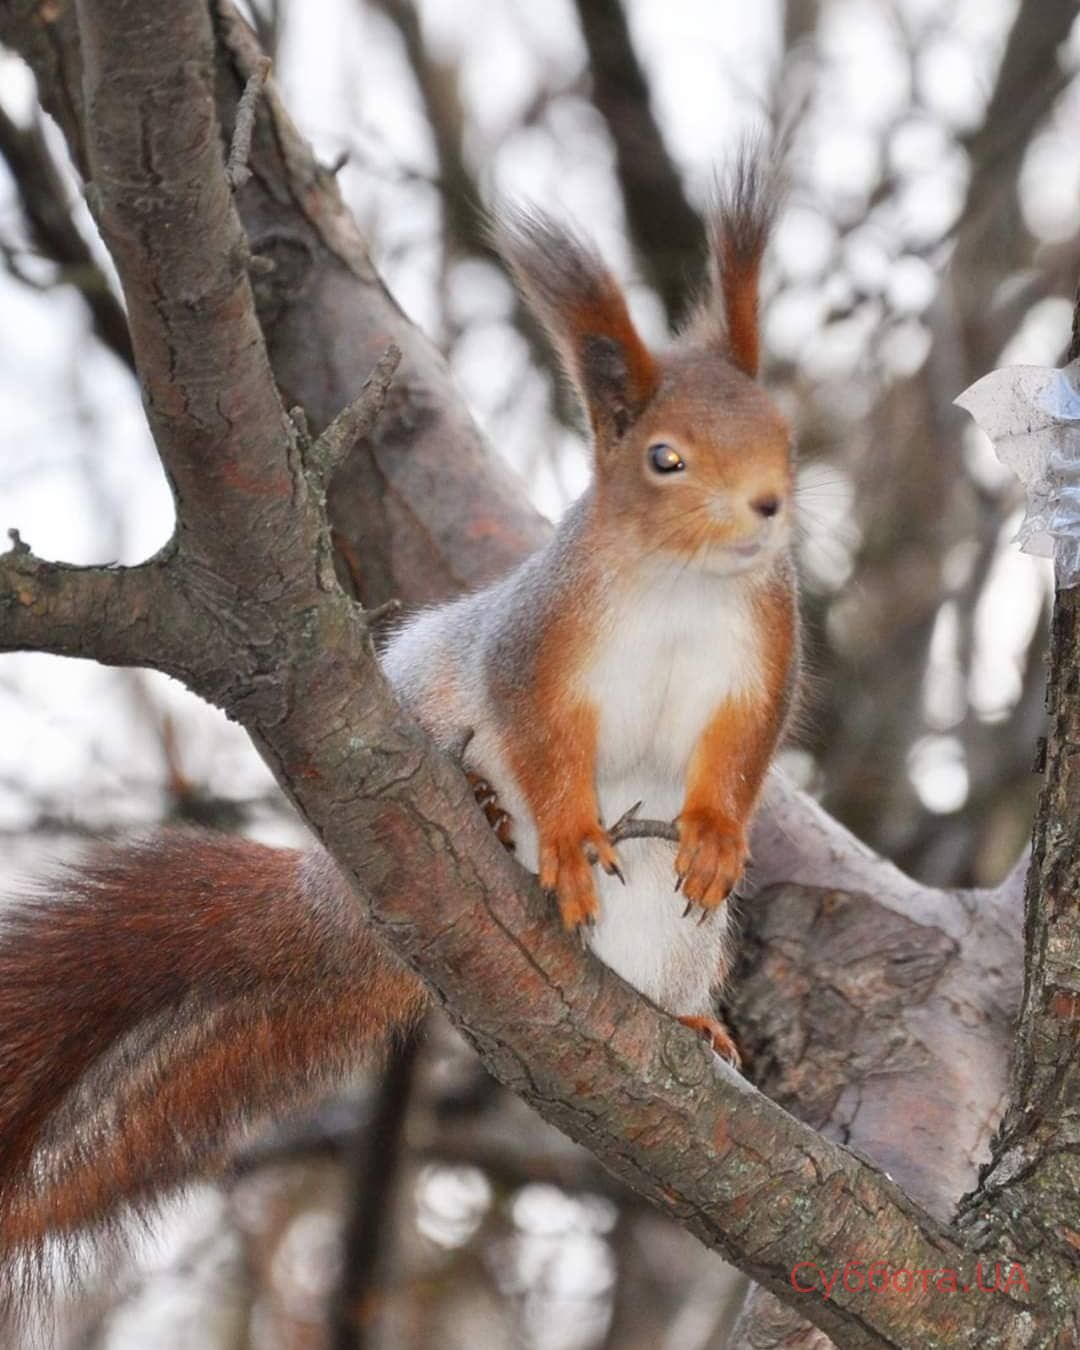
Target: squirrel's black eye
666, 459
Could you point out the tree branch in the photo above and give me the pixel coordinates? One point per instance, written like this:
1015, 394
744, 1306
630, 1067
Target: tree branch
378, 1150
237, 171
422, 501
47, 38
207, 385
120, 616
44, 201
466, 222
327, 454
668, 232
1028, 1193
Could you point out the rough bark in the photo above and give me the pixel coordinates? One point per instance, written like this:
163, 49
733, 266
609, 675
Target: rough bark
1030, 1193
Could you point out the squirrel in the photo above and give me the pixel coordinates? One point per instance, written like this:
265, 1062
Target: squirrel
168, 990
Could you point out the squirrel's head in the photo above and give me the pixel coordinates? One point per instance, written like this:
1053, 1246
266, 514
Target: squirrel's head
691, 455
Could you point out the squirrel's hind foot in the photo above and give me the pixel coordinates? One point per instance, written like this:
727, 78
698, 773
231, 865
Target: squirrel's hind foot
488, 801
718, 1036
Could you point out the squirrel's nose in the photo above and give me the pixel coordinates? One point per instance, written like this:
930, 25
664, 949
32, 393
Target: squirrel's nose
767, 505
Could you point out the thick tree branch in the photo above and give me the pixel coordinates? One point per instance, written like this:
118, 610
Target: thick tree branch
207, 385
121, 616
1029, 1193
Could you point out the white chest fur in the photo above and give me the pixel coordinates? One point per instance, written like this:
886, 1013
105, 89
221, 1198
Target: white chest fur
674, 646
677, 645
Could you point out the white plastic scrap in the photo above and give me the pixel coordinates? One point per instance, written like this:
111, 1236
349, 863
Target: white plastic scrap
1032, 415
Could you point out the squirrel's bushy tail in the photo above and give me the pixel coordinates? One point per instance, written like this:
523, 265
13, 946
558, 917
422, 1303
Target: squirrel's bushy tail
164, 993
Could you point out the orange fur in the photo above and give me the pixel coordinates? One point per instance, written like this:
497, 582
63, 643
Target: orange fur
739, 280
739, 226
731, 760
605, 315
164, 993
737, 448
736, 443
584, 310
552, 751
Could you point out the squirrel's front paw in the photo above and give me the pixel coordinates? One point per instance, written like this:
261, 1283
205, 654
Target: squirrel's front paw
712, 855
566, 870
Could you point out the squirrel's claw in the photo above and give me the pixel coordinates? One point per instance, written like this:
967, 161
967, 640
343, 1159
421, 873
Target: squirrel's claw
488, 801
718, 1036
602, 851
711, 858
501, 823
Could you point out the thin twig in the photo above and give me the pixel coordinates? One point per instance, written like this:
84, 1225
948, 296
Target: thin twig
628, 826
355, 421
298, 417
237, 170
380, 613
18, 544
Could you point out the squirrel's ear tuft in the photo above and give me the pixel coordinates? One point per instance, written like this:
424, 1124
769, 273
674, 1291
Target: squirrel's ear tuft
739, 223
581, 305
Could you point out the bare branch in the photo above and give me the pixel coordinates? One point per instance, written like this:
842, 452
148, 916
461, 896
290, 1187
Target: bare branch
237, 170
378, 1152
466, 221
1029, 1191
355, 422
49, 42
666, 229
44, 201
387, 610
630, 826
207, 384
120, 616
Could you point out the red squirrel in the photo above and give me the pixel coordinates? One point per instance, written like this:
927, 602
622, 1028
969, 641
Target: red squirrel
170, 989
